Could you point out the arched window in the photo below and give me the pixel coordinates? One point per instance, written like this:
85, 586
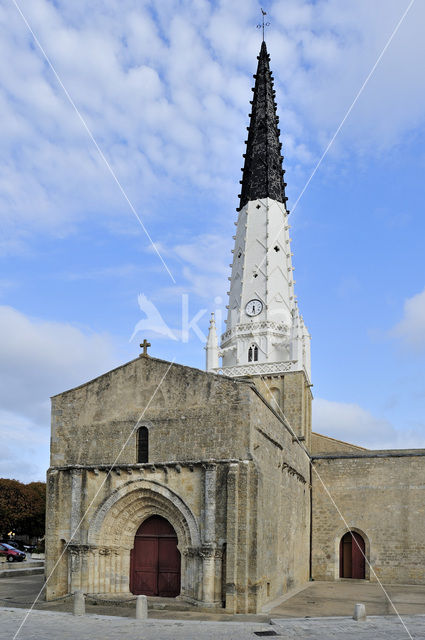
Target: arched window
253, 353
143, 445
250, 354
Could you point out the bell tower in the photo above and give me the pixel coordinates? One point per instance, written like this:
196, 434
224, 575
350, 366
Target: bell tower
265, 336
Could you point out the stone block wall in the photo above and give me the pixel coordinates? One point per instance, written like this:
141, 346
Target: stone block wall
381, 495
223, 469
325, 444
290, 395
190, 415
283, 505
98, 513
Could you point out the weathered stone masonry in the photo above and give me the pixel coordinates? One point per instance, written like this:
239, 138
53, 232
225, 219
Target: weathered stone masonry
223, 470
381, 495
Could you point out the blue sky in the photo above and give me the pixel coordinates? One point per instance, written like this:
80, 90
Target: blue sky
164, 87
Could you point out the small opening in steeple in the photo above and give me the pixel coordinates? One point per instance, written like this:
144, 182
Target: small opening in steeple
276, 248
253, 353
239, 254
258, 206
255, 275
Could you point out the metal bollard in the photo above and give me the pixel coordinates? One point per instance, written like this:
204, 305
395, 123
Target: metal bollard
79, 603
359, 612
141, 608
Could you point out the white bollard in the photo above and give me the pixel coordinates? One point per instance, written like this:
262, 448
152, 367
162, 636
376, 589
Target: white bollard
141, 608
359, 612
79, 603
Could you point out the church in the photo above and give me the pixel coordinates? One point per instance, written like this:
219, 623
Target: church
210, 486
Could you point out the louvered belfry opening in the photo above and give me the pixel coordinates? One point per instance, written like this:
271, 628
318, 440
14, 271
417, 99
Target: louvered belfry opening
263, 172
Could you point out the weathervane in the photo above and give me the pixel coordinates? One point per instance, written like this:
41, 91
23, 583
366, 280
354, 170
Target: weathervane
264, 24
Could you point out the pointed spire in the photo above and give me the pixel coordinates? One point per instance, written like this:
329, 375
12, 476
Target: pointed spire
212, 347
263, 173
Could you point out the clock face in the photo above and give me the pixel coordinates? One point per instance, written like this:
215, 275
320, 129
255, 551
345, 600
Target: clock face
254, 307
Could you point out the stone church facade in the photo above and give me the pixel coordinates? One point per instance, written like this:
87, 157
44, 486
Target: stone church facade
210, 486
219, 458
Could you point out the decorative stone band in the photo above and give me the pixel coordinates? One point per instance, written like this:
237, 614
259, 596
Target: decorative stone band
79, 550
126, 469
248, 327
203, 552
258, 369
85, 549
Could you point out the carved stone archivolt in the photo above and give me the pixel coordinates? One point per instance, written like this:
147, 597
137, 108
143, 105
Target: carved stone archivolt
117, 519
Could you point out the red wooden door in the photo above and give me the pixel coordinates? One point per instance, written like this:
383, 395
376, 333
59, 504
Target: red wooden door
357, 556
155, 560
351, 556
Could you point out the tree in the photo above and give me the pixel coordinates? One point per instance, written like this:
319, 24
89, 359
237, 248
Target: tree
34, 525
22, 507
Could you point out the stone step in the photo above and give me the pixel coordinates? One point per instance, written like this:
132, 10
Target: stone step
20, 565
26, 570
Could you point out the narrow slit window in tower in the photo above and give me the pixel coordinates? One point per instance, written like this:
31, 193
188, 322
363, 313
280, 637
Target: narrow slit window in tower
143, 445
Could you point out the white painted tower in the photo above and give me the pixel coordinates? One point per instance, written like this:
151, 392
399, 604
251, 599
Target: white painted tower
265, 333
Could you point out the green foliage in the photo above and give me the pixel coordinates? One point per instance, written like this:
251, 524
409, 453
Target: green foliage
22, 507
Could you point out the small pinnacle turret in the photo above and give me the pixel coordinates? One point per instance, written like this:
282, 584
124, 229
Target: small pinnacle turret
262, 172
212, 346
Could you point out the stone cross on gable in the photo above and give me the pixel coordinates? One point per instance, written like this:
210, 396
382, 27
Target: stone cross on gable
144, 345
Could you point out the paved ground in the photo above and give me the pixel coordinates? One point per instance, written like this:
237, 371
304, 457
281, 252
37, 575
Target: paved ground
317, 600
22, 591
376, 628
339, 598
47, 625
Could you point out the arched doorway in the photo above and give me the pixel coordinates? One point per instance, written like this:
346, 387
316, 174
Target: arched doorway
155, 560
352, 556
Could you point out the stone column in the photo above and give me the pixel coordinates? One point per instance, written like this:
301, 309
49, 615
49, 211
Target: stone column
209, 555
75, 519
207, 551
78, 557
232, 537
210, 480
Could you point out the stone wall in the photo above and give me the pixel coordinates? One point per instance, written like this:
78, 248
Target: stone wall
381, 495
223, 469
325, 444
283, 511
191, 415
290, 394
98, 512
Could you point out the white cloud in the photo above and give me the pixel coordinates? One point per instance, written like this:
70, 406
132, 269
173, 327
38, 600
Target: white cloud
116, 271
166, 93
206, 258
411, 328
37, 360
351, 423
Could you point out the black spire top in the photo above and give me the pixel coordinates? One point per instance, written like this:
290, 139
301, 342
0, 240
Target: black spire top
262, 172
